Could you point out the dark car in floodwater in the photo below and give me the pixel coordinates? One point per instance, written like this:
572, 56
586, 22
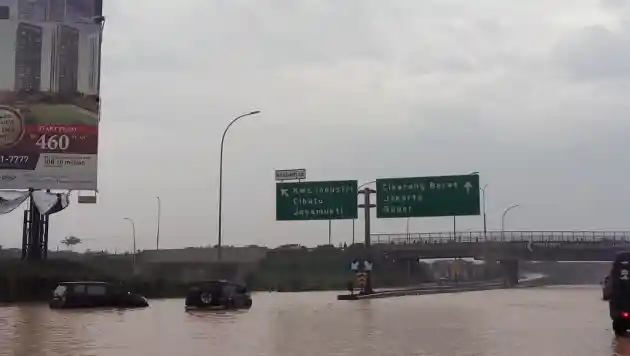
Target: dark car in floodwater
619, 298
89, 294
218, 294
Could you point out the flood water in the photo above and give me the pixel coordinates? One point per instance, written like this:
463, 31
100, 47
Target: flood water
553, 321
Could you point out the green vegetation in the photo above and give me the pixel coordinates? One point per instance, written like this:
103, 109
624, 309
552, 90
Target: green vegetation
328, 268
283, 269
59, 114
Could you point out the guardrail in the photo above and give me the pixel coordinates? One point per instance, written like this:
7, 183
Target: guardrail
504, 236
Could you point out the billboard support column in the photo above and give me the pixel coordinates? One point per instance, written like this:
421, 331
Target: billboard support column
35, 234
25, 228
44, 245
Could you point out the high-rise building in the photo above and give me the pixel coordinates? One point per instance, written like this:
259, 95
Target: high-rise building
80, 11
28, 57
64, 59
94, 44
5, 12
57, 10
33, 10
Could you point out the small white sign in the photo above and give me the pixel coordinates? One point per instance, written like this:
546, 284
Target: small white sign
367, 265
354, 266
290, 174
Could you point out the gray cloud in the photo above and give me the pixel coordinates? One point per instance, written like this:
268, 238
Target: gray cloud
530, 94
597, 52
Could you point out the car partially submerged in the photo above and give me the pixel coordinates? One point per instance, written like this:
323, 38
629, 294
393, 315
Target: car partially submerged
218, 294
93, 294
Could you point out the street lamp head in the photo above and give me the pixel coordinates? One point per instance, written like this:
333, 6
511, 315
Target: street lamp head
254, 112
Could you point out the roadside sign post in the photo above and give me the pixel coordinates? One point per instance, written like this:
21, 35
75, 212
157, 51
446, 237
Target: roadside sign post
456, 195
367, 206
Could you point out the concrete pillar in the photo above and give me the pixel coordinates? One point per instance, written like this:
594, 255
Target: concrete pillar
509, 271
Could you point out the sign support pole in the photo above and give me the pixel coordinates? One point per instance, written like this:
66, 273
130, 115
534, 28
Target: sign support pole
330, 232
366, 209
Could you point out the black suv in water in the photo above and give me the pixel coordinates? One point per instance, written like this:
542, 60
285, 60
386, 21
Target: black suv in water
219, 294
93, 295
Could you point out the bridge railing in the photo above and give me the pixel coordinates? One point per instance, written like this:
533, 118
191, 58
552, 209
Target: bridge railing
503, 236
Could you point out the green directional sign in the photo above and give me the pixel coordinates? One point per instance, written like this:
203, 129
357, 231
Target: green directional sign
325, 200
427, 196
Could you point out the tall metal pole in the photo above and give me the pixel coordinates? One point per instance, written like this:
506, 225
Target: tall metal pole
454, 229
503, 220
407, 229
367, 241
367, 207
135, 250
454, 224
330, 232
359, 191
219, 243
353, 231
483, 202
159, 215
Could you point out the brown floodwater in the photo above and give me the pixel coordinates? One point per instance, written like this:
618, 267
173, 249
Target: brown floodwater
529, 322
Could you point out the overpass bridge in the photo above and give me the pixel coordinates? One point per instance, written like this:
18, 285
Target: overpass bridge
523, 245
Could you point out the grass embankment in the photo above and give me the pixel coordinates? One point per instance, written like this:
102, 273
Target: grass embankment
324, 268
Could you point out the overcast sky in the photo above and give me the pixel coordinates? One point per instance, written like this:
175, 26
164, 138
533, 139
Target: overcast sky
531, 94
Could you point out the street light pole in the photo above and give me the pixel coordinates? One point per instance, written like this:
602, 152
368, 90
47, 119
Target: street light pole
358, 190
219, 243
503, 220
353, 231
483, 202
454, 229
133, 231
455, 217
159, 215
330, 232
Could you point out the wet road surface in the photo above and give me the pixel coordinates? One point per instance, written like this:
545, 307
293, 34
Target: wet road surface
554, 321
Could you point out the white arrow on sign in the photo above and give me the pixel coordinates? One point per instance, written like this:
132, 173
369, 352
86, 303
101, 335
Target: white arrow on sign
354, 266
367, 265
284, 192
468, 187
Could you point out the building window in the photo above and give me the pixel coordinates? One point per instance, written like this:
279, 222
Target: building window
5, 13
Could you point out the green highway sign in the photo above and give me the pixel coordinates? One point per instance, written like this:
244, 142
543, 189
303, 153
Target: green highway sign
325, 200
427, 196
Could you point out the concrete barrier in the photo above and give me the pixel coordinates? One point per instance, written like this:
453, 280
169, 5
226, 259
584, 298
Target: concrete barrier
531, 281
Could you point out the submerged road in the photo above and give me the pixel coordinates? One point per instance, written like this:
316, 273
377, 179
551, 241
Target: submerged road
554, 321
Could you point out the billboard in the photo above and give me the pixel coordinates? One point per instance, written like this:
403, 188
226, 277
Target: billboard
50, 54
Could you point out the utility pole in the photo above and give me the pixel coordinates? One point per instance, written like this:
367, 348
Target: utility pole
330, 232
454, 229
159, 216
366, 206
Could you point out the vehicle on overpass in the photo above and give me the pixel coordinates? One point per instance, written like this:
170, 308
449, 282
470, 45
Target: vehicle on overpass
619, 301
90, 294
217, 295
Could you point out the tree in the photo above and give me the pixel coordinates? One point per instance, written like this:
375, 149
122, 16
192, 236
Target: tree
71, 241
